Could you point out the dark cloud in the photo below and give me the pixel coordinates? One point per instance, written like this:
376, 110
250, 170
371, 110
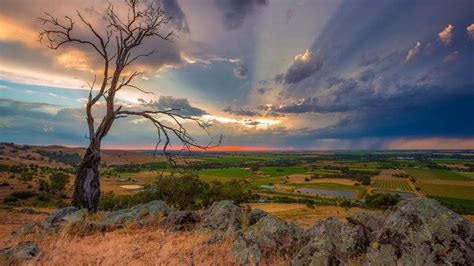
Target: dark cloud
173, 9
40, 123
263, 90
303, 66
234, 12
367, 75
369, 59
240, 71
181, 104
240, 112
414, 112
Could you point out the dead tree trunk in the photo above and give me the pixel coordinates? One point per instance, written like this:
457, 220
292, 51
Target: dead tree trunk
118, 44
87, 185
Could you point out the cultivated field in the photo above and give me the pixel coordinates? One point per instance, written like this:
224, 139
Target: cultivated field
303, 215
452, 191
392, 184
420, 173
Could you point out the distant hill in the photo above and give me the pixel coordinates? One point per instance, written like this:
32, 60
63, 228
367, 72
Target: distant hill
60, 156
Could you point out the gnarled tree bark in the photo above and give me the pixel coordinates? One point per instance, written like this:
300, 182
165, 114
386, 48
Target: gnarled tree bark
87, 184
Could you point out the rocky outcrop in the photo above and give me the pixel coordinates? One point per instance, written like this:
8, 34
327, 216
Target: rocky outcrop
415, 232
420, 231
331, 242
72, 220
254, 216
53, 222
269, 236
223, 218
18, 254
180, 220
139, 214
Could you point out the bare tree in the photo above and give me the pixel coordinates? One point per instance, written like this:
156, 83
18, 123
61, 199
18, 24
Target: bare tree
116, 43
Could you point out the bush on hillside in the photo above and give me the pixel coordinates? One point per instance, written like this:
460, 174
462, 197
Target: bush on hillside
381, 200
58, 181
181, 192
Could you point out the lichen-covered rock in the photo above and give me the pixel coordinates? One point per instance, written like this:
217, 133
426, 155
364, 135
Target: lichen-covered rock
331, 242
53, 222
178, 220
254, 216
270, 235
223, 217
18, 254
421, 231
381, 255
76, 217
371, 221
30, 227
138, 214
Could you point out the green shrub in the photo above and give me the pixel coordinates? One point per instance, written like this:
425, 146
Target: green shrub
10, 199
26, 177
182, 192
381, 200
43, 185
23, 194
58, 181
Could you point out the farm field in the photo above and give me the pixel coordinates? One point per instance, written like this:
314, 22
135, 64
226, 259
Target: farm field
321, 178
420, 173
333, 186
467, 174
392, 184
302, 214
282, 171
451, 191
458, 205
224, 174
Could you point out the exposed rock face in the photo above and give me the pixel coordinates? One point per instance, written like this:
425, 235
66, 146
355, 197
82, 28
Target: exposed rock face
254, 216
331, 242
224, 218
57, 217
270, 235
138, 214
72, 220
178, 220
421, 231
18, 254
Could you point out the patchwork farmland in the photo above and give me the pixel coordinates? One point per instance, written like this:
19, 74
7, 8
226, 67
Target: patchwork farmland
392, 184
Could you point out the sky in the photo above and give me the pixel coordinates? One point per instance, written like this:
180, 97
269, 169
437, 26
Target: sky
265, 74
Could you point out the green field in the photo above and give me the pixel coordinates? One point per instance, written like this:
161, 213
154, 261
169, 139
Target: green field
235, 159
420, 173
462, 206
282, 171
467, 174
392, 185
451, 191
224, 174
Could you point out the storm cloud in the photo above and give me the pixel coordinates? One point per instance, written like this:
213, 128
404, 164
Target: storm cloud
303, 66
234, 12
178, 18
181, 105
240, 112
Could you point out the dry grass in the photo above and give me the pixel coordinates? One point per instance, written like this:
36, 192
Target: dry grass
135, 246
11, 219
